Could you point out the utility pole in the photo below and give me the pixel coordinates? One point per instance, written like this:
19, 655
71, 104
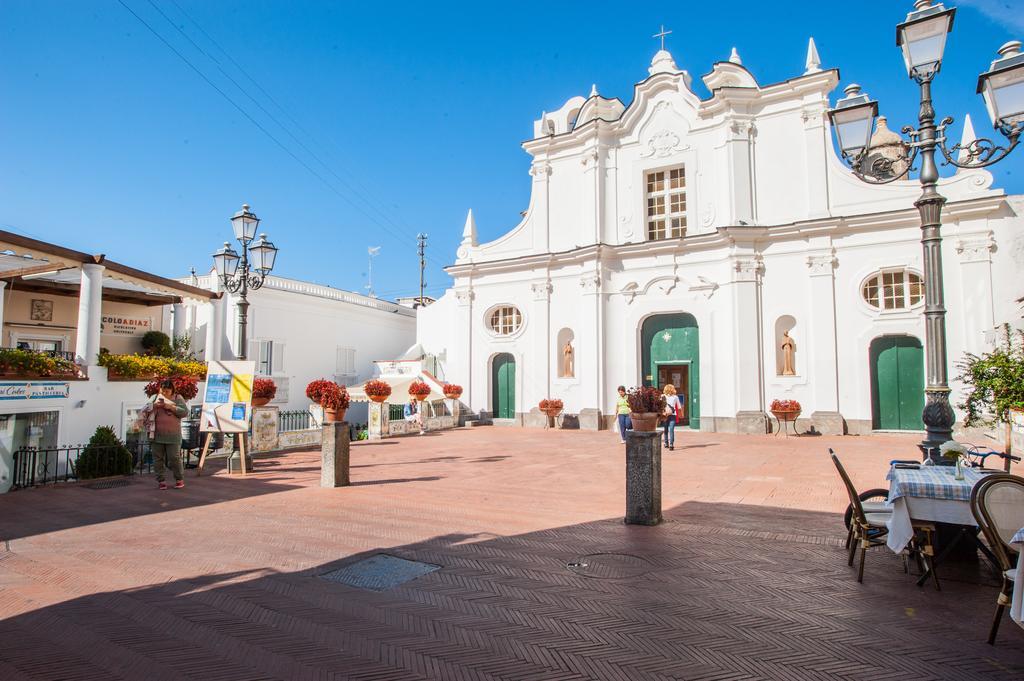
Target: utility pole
422, 249
371, 252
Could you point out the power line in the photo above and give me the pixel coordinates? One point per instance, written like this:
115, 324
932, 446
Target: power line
256, 123
281, 108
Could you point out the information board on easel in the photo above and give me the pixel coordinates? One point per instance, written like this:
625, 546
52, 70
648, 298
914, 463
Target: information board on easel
227, 404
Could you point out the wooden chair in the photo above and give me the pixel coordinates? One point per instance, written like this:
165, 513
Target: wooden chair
869, 529
997, 503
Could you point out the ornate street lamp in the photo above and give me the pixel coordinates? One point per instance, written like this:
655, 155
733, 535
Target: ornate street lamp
922, 38
241, 272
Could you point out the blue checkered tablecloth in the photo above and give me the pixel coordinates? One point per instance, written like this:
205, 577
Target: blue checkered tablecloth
932, 482
1019, 537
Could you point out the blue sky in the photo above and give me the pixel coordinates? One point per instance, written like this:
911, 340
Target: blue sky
389, 118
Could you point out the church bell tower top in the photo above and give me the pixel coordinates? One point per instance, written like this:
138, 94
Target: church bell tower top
663, 63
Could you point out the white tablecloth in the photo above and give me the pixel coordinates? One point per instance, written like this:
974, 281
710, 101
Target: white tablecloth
1017, 603
923, 508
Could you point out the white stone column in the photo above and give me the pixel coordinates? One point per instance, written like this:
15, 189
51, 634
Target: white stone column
462, 361
541, 172
3, 285
177, 320
90, 311
589, 353
746, 284
214, 329
823, 368
741, 175
542, 339
815, 150
976, 276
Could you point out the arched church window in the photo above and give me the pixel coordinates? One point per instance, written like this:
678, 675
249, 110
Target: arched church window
571, 120
505, 320
893, 290
666, 203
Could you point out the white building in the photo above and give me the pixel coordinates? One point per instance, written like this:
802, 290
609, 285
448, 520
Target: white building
676, 239
300, 331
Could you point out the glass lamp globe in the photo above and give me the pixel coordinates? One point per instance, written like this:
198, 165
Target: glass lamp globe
923, 38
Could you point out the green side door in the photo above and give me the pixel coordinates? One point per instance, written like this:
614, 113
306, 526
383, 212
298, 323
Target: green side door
503, 386
897, 383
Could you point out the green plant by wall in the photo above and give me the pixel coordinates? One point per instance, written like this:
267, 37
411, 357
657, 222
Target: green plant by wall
146, 368
994, 380
157, 343
104, 455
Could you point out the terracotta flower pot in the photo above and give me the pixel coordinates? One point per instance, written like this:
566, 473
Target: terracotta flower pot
334, 415
553, 413
786, 415
648, 421
260, 401
378, 398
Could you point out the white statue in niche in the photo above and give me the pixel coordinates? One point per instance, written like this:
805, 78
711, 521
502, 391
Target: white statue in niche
567, 357
788, 355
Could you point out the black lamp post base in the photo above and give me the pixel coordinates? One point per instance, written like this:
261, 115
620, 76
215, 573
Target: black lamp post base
938, 420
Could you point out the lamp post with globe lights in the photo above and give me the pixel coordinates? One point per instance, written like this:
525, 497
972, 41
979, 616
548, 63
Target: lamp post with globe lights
922, 38
241, 272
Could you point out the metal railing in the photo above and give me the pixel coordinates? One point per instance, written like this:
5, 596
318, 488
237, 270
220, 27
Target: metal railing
295, 420
35, 466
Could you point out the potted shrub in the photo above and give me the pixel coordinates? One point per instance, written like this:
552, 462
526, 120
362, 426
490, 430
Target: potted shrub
551, 407
452, 391
105, 455
785, 410
646, 404
335, 401
186, 386
377, 390
419, 390
157, 343
263, 390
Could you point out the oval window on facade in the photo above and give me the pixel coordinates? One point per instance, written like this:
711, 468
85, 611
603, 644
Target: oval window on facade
504, 320
893, 290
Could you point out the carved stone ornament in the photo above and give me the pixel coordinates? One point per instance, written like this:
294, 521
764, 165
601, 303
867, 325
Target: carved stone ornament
462, 253
464, 296
821, 264
590, 159
704, 287
663, 143
979, 249
812, 117
747, 268
540, 169
630, 291
590, 283
708, 214
541, 290
741, 128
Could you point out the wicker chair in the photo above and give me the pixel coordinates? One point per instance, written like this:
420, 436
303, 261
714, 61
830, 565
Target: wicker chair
869, 529
997, 503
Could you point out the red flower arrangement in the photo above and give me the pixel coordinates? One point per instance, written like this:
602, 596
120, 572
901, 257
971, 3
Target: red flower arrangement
419, 390
315, 389
334, 397
377, 390
785, 405
551, 405
264, 388
186, 386
646, 400
452, 391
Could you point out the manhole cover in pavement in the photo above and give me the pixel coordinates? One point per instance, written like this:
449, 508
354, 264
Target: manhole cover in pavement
110, 484
609, 565
380, 572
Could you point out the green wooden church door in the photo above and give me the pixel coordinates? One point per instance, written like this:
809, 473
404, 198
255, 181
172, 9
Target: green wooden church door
503, 386
672, 342
897, 383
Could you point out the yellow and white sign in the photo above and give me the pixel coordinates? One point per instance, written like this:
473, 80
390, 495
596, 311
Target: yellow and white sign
227, 403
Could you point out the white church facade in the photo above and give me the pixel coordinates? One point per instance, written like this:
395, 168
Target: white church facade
683, 240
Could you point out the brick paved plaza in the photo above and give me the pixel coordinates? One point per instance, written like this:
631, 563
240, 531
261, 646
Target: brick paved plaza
746, 579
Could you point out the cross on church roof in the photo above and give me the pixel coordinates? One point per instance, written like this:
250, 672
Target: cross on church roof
662, 35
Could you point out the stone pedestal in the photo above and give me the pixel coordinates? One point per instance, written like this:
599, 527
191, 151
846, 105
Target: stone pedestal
643, 477
590, 419
828, 422
751, 422
377, 427
536, 419
334, 455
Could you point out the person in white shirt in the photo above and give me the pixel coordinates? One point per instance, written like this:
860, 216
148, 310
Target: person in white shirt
673, 411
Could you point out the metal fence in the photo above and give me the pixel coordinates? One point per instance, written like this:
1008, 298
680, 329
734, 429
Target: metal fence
35, 466
295, 420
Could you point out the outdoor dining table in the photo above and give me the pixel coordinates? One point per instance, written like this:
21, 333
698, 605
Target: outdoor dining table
930, 493
1017, 602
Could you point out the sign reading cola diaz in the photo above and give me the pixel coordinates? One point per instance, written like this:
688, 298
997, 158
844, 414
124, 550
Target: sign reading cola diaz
117, 325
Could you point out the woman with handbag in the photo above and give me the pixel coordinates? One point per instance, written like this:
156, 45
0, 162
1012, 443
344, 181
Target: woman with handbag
671, 415
162, 418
